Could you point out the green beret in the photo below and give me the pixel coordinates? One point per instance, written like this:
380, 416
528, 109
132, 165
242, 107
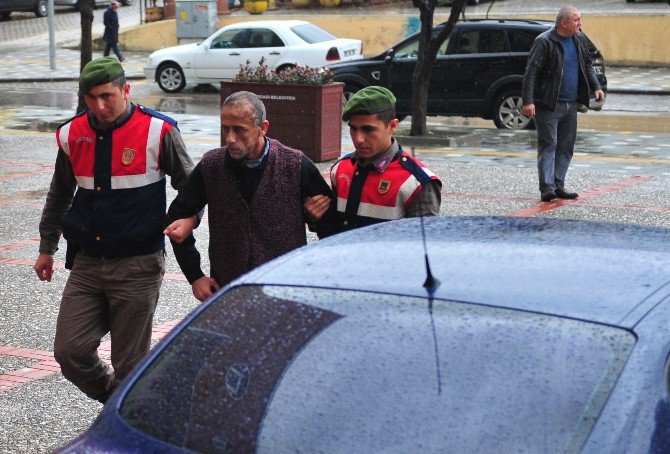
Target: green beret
98, 72
368, 101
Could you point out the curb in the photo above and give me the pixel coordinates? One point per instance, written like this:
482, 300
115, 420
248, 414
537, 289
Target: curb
452, 138
634, 91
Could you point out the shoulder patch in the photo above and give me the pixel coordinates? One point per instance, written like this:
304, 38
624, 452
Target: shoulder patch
153, 113
415, 169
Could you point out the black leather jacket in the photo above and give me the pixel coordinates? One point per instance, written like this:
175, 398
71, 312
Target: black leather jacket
542, 80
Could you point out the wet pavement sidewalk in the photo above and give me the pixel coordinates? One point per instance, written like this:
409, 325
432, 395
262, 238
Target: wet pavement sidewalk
20, 65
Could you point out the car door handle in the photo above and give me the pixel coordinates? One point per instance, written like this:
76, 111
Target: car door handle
275, 53
237, 54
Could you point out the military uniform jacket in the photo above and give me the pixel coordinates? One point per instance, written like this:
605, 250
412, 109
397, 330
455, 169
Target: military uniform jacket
382, 192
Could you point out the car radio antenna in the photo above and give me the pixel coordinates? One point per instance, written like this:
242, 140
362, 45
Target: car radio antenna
431, 284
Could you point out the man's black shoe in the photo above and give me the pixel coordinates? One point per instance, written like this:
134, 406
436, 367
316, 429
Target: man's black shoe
563, 194
548, 195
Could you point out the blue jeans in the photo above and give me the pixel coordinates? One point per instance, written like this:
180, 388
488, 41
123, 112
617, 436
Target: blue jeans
115, 48
556, 134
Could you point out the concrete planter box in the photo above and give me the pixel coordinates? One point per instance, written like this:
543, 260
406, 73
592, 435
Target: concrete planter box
306, 117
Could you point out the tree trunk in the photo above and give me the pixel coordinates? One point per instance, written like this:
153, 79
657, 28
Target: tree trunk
427, 52
86, 11
421, 75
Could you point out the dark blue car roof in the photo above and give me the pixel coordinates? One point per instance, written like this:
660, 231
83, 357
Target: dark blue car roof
606, 273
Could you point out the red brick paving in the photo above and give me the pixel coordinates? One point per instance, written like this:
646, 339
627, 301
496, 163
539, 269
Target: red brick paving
543, 207
47, 366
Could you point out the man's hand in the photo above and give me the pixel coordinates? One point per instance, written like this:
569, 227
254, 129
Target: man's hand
180, 229
316, 206
528, 110
204, 287
600, 95
44, 267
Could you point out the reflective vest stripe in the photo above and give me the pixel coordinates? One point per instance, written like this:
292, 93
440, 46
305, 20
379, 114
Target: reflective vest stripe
371, 210
408, 192
64, 132
86, 182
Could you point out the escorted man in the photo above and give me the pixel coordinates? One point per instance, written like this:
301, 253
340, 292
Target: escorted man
559, 75
116, 155
379, 181
255, 188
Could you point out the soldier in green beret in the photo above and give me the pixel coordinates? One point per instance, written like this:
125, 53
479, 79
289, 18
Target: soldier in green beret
379, 181
107, 198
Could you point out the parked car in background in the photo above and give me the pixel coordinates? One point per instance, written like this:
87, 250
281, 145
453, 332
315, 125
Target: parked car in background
281, 43
7, 7
477, 73
39, 7
468, 2
73, 3
540, 336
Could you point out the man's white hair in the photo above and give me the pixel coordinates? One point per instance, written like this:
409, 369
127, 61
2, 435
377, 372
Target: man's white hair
565, 13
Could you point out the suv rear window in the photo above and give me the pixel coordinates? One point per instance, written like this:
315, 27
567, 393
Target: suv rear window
521, 40
481, 42
285, 369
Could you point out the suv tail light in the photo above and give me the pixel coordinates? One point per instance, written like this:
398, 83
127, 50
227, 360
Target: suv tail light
333, 54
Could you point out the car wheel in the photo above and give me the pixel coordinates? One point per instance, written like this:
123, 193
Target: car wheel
170, 78
507, 112
127, 2
473, 2
5, 16
41, 8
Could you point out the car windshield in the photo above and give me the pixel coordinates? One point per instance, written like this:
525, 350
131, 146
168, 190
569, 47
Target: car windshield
311, 34
283, 369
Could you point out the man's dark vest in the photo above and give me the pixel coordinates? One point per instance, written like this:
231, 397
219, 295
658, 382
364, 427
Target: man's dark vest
243, 236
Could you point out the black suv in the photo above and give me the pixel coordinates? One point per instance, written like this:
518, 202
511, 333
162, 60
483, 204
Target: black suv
478, 71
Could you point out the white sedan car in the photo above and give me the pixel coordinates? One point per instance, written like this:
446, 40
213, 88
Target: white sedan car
283, 44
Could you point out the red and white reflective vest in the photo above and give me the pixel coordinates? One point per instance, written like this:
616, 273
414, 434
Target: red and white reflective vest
119, 207
368, 196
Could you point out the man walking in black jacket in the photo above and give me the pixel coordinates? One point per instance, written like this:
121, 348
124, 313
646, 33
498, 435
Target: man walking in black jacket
559, 75
111, 35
